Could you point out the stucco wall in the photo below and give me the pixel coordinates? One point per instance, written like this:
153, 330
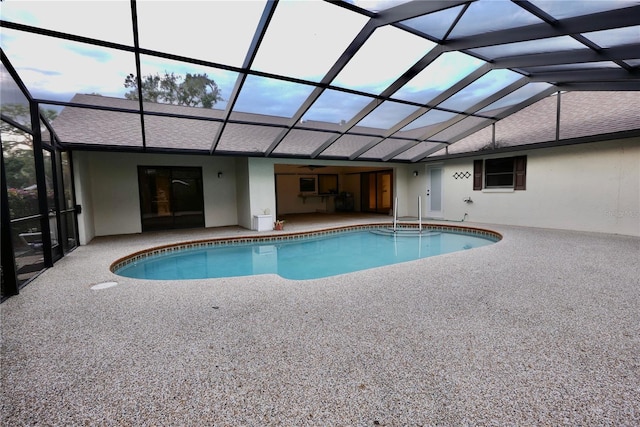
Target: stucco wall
413, 187
262, 186
114, 196
243, 195
109, 190
289, 200
82, 183
588, 187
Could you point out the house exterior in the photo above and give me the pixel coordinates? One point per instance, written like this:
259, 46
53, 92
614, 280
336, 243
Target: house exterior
570, 184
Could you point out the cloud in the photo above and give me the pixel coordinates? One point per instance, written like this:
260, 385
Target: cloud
379, 62
387, 115
50, 67
262, 95
334, 107
315, 30
492, 82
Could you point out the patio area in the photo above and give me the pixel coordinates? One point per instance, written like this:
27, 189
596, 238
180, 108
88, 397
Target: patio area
541, 328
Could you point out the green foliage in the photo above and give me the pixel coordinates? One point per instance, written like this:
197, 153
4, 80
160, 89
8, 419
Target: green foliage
18, 160
22, 203
192, 90
19, 167
20, 113
17, 146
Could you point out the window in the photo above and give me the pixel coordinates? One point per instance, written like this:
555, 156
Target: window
506, 172
308, 185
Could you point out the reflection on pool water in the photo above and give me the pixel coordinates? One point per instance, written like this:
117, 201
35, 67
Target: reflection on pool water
301, 258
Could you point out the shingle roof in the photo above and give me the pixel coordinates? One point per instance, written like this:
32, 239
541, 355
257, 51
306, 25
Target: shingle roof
581, 114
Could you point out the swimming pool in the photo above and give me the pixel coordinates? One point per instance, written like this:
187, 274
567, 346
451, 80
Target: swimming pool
300, 257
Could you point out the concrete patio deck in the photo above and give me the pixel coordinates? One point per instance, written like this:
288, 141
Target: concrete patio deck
541, 328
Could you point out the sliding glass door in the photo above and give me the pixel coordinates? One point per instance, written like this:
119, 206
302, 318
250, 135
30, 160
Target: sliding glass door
170, 197
376, 191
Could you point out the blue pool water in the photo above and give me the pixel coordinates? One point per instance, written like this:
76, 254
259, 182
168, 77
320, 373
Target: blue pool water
300, 259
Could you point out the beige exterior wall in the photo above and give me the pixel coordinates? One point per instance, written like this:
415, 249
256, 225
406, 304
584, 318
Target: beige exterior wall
289, 201
262, 187
82, 183
107, 186
243, 195
586, 187
109, 192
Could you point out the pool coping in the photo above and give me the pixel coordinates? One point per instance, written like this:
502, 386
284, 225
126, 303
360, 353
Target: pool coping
278, 237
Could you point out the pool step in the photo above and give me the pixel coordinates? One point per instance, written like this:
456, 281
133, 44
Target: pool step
404, 232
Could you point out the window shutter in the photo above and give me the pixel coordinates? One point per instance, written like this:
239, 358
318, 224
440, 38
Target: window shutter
520, 171
477, 175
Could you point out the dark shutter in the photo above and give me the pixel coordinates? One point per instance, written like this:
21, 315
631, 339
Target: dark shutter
477, 174
520, 171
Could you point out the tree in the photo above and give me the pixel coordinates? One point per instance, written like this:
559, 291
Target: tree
21, 113
193, 90
17, 145
18, 159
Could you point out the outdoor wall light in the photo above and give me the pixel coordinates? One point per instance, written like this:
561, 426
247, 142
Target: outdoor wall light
415, 173
219, 174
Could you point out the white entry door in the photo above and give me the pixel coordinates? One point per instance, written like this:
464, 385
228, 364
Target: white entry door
434, 191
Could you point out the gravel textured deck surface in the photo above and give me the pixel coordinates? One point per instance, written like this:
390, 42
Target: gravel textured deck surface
542, 328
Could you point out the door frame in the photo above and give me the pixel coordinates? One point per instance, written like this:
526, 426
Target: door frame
170, 224
431, 213
372, 177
